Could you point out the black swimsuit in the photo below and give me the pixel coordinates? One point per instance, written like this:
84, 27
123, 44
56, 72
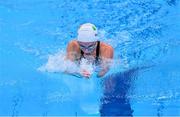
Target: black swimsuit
97, 53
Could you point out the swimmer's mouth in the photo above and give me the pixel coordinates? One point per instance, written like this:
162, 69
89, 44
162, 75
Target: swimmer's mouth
88, 53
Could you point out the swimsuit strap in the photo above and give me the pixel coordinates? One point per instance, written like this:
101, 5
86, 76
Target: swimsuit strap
97, 51
82, 54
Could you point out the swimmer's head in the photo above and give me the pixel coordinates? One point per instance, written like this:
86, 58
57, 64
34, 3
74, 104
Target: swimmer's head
87, 33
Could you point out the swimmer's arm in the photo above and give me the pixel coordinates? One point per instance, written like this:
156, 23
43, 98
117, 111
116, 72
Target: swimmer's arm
82, 74
104, 69
107, 57
72, 51
72, 55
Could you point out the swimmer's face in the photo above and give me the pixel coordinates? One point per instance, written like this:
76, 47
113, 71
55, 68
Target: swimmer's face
87, 47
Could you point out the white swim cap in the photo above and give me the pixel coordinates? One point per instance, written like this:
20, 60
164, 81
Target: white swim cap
87, 33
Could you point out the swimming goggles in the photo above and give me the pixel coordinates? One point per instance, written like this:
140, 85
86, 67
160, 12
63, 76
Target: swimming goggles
88, 48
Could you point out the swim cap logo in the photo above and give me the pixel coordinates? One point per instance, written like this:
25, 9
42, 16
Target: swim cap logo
94, 28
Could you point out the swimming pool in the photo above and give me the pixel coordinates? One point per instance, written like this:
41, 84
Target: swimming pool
145, 36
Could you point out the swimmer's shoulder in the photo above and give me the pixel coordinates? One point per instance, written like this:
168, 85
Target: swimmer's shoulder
106, 47
73, 45
106, 50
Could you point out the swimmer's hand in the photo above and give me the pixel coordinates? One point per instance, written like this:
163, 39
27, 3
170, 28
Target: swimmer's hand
85, 73
80, 74
103, 72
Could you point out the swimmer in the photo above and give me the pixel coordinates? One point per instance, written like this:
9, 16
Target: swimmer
88, 46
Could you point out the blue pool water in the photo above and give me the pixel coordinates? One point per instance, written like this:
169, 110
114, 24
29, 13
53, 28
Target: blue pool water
144, 80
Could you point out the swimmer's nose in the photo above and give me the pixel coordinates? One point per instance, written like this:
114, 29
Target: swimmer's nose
86, 51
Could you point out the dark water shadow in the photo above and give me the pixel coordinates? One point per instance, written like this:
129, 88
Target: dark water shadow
115, 100
171, 2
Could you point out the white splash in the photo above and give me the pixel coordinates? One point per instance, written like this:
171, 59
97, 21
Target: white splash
86, 65
59, 63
